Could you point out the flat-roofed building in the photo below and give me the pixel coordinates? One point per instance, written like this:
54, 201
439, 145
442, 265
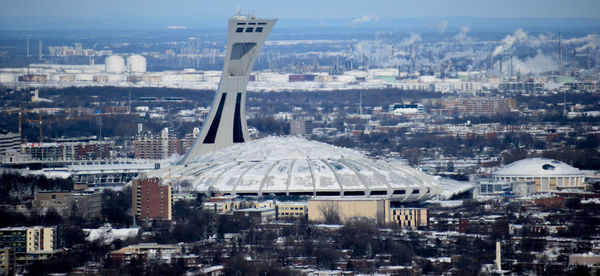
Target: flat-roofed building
47, 200
256, 214
291, 209
347, 208
7, 261
377, 209
93, 150
151, 199
160, 146
300, 127
88, 205
494, 225
589, 259
9, 141
31, 243
145, 252
410, 217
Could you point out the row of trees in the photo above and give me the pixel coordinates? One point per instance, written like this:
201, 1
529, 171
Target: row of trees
18, 189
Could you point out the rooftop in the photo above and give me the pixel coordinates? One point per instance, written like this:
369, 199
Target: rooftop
537, 167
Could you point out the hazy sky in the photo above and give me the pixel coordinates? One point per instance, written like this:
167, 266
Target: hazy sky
309, 9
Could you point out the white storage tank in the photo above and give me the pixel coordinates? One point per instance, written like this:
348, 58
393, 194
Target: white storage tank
8, 77
346, 78
114, 64
136, 63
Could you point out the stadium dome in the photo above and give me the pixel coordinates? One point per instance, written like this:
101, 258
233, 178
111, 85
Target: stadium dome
548, 174
289, 166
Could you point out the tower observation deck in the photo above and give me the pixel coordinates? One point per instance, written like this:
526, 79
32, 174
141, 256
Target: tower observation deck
226, 121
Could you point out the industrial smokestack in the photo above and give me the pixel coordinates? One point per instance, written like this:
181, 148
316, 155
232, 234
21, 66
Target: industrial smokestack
511, 67
410, 58
27, 47
40, 46
498, 257
500, 66
588, 59
560, 63
431, 62
574, 64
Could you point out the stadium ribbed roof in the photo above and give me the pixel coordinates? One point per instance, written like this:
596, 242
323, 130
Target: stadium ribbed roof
296, 166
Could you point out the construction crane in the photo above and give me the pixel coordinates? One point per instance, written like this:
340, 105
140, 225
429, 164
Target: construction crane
40, 121
20, 111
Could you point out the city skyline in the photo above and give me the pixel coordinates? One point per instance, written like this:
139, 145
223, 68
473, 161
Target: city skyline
365, 144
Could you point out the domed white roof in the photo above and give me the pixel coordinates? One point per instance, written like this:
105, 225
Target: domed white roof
115, 64
537, 167
295, 166
136, 63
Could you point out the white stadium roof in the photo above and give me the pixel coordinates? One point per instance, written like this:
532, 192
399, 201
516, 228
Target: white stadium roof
453, 187
295, 166
537, 167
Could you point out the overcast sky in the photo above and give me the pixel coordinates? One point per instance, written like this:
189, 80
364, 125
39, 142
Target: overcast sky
309, 9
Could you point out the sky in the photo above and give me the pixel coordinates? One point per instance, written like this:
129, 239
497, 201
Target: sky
359, 10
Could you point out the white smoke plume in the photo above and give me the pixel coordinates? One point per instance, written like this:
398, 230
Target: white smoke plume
533, 54
441, 26
509, 40
366, 18
591, 41
380, 53
541, 63
463, 35
412, 39
522, 38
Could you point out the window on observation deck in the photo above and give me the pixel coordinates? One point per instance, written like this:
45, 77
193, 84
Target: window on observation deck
249, 30
259, 29
239, 30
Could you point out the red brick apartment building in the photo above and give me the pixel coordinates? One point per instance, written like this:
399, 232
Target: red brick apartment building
151, 199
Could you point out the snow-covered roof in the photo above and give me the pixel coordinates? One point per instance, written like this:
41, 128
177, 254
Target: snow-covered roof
107, 234
291, 165
537, 167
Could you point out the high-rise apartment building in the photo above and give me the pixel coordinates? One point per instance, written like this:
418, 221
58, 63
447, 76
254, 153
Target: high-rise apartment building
151, 199
30, 243
300, 127
150, 146
68, 151
9, 141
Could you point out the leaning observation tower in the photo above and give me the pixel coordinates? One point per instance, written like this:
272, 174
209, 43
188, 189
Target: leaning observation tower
224, 161
226, 122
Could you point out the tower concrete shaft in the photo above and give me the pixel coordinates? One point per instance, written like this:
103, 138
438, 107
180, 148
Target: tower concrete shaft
226, 121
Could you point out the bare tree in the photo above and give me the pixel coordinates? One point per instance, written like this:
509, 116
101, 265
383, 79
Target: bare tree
330, 212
